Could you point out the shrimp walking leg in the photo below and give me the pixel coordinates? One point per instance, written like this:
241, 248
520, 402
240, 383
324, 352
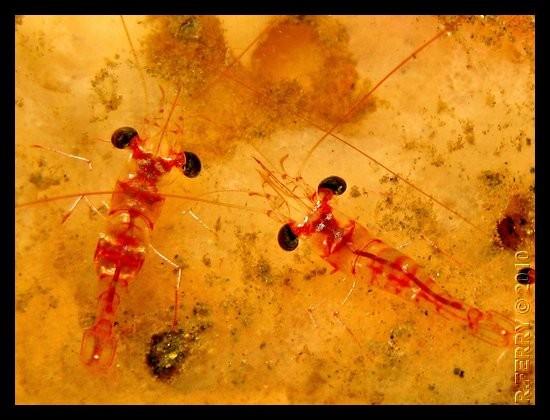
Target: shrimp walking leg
76, 203
83, 159
178, 282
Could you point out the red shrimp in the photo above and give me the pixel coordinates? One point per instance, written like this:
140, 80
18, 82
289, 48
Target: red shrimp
351, 249
135, 207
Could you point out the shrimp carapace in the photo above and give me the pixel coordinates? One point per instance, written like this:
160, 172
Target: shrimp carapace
120, 252
189, 162
350, 248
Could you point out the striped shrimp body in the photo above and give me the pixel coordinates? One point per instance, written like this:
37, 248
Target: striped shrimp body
135, 207
351, 249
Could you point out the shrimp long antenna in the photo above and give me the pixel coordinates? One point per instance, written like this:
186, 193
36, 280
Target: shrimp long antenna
225, 70
214, 202
210, 84
172, 108
143, 81
364, 98
138, 64
60, 197
166, 195
368, 94
409, 183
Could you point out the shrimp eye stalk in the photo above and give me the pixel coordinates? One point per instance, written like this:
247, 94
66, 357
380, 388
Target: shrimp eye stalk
287, 239
123, 136
192, 165
335, 184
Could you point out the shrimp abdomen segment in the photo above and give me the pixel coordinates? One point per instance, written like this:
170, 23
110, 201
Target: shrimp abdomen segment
122, 247
138, 200
119, 256
392, 270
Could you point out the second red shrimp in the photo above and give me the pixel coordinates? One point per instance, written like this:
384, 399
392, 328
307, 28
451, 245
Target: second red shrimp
351, 249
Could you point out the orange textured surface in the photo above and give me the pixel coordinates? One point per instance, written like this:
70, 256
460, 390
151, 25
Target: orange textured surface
456, 121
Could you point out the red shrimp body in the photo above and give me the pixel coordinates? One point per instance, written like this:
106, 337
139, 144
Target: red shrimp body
349, 247
120, 252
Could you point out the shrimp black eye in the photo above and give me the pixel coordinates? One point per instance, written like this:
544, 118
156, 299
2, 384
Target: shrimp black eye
287, 239
122, 137
192, 165
335, 184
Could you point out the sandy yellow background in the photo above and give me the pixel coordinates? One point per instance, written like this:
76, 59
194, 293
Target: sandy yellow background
283, 329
